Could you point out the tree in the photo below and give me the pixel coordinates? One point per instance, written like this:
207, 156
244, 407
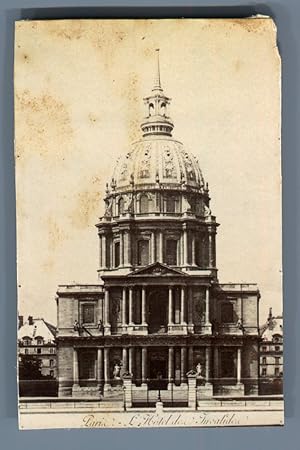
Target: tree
29, 367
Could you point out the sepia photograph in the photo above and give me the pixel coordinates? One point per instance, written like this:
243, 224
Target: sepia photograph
149, 249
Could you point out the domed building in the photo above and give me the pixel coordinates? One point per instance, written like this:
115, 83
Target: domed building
158, 319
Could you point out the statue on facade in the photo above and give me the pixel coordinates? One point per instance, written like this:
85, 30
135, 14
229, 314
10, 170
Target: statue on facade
198, 370
117, 371
108, 208
207, 211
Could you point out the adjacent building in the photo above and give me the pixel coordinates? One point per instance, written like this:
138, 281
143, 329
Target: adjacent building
158, 310
36, 338
271, 355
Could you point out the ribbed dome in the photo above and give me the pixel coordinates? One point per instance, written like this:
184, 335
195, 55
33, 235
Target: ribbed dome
157, 160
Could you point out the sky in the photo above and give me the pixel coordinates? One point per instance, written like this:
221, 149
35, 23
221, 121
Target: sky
79, 87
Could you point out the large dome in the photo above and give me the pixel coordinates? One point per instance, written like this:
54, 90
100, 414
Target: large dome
158, 160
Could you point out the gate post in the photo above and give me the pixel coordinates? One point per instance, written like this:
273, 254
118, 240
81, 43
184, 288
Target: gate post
192, 391
127, 384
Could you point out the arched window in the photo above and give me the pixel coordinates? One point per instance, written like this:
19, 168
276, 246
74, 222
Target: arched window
121, 205
39, 340
171, 204
144, 204
26, 340
163, 109
227, 313
151, 109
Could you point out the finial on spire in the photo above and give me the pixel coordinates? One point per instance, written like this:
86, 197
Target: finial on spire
157, 84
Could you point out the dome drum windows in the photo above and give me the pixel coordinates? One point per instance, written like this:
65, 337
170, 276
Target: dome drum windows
145, 203
121, 206
171, 204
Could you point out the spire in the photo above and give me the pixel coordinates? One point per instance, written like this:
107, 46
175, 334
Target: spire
157, 84
157, 120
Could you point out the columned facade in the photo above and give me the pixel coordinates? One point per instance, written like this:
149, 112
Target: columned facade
158, 311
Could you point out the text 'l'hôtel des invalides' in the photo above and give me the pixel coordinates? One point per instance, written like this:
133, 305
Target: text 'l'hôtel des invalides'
158, 314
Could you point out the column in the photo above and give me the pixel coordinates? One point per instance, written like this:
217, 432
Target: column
131, 360
183, 365
190, 310
75, 367
106, 312
207, 364
190, 358
160, 247
125, 359
216, 364
239, 365
106, 367
100, 252
143, 305
182, 308
152, 248
193, 250
100, 366
211, 246
127, 248
130, 306
104, 251
144, 365
207, 322
124, 322
185, 248
121, 249
170, 306
171, 365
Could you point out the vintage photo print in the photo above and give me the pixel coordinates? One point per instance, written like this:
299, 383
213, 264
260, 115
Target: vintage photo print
148, 192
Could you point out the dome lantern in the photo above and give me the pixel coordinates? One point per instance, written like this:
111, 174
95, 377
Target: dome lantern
157, 120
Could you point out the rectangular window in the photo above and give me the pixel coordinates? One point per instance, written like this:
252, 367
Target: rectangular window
264, 360
277, 348
276, 371
143, 252
88, 313
277, 360
171, 252
117, 254
51, 363
39, 350
51, 373
227, 313
264, 372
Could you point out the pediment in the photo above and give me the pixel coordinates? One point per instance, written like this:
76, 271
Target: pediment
157, 269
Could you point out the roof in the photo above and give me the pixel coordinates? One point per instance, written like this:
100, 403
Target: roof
38, 328
272, 327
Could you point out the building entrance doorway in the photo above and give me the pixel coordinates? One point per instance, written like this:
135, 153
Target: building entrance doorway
158, 311
158, 368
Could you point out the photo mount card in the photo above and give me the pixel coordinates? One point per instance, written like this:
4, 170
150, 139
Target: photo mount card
149, 241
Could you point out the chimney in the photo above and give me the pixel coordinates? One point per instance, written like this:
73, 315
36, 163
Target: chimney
21, 321
30, 320
270, 316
